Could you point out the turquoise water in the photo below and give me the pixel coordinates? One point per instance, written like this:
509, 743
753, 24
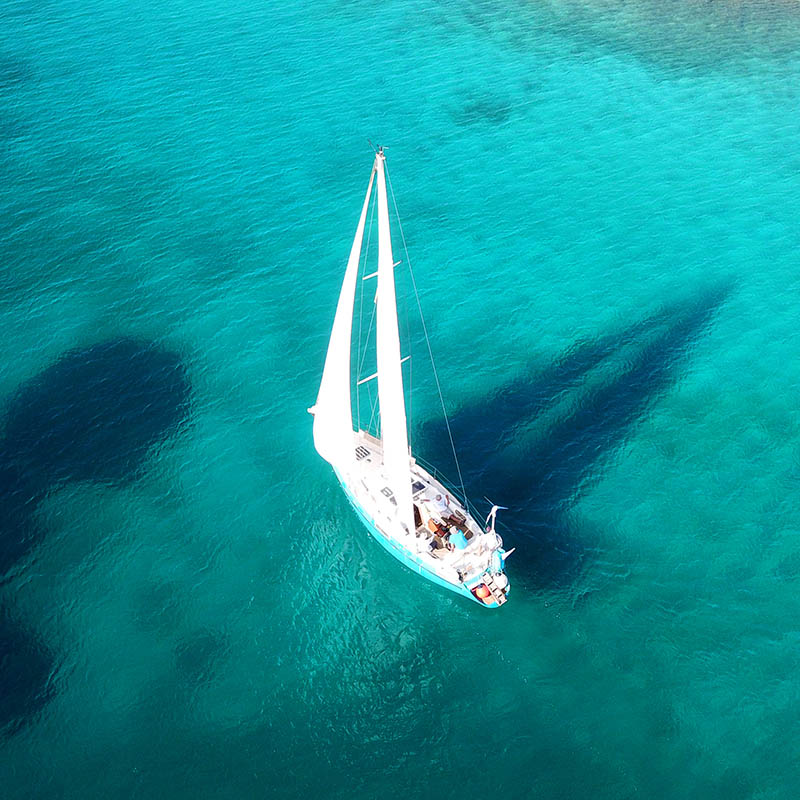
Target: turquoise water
601, 206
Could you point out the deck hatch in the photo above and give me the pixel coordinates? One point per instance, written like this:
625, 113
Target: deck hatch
387, 492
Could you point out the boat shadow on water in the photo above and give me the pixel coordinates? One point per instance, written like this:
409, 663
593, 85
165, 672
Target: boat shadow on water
94, 415
543, 438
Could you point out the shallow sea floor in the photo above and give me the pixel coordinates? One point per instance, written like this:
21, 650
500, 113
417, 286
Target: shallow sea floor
601, 204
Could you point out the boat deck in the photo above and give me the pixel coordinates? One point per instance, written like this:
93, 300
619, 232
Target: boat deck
457, 561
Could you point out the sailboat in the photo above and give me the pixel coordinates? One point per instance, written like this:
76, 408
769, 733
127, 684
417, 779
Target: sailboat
420, 521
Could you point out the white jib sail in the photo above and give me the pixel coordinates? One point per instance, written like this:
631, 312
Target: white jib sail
394, 434
333, 412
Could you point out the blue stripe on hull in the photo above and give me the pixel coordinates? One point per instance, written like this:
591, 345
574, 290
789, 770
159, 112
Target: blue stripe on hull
403, 555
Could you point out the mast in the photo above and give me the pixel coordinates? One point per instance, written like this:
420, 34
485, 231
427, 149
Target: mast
394, 433
333, 412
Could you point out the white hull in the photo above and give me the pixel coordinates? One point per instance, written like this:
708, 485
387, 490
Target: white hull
405, 507
426, 549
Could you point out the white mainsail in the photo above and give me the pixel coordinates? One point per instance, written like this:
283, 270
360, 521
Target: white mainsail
396, 462
333, 412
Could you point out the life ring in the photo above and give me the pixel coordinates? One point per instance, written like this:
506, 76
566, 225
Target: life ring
482, 592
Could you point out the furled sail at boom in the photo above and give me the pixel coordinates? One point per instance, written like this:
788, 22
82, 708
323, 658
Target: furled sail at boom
394, 434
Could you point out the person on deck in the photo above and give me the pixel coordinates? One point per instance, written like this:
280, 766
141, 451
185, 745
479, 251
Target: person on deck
441, 506
440, 515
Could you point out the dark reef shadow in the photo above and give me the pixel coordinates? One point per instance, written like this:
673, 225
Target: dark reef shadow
197, 656
94, 415
14, 72
484, 108
537, 443
25, 669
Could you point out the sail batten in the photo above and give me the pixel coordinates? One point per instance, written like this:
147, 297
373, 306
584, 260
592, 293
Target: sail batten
333, 412
394, 433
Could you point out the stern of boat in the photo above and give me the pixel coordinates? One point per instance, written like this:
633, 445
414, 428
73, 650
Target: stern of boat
490, 589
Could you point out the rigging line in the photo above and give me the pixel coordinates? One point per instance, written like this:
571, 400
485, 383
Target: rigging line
363, 353
425, 331
372, 415
408, 358
410, 395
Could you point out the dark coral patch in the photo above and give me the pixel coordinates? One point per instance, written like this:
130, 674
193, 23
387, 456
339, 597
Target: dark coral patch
25, 668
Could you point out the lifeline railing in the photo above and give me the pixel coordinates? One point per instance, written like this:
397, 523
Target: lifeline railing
448, 484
